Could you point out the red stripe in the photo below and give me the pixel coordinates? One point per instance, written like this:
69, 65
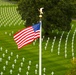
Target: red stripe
25, 43
25, 39
24, 36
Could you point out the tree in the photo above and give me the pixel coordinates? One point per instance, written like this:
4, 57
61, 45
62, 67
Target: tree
57, 13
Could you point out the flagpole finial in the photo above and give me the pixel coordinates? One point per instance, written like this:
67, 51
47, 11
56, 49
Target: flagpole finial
41, 12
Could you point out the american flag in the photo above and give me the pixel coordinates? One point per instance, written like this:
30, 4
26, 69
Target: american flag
27, 35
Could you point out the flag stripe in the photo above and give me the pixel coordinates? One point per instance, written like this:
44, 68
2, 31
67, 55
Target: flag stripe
26, 42
25, 38
23, 33
20, 46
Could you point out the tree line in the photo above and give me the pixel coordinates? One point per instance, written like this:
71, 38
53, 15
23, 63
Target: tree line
57, 15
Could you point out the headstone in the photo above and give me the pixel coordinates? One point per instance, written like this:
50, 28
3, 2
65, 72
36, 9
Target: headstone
20, 69
15, 61
5, 32
11, 71
6, 62
12, 32
4, 67
13, 66
11, 53
18, 74
44, 74
34, 43
9, 34
9, 57
58, 52
6, 51
52, 73
65, 55
36, 66
35, 71
1, 49
27, 73
1, 73
30, 62
51, 49
21, 64
44, 69
45, 47
3, 55
73, 58
23, 59
28, 67
17, 56
72, 54
0, 59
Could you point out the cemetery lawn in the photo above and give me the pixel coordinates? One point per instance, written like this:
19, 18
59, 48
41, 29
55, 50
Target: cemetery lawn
10, 23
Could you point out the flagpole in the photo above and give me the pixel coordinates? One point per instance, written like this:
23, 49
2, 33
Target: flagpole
40, 45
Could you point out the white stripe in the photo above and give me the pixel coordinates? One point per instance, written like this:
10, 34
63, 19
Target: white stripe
26, 29
19, 46
25, 43
25, 38
20, 37
24, 33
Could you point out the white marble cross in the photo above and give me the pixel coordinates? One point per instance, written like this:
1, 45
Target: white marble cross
0, 59
11, 53
20, 69
17, 56
13, 66
5, 32
21, 64
6, 51
52, 73
23, 59
1, 49
18, 74
44, 69
6, 62
9, 34
9, 57
58, 52
30, 62
3, 55
4, 67
27, 73
65, 55
15, 60
36, 65
28, 67
1, 73
11, 71
12, 32
35, 71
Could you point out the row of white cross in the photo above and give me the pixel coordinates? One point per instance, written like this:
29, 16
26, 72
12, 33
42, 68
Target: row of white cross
73, 37
10, 34
60, 43
53, 43
10, 16
15, 61
66, 41
65, 50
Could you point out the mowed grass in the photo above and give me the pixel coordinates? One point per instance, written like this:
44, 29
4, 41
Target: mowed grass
50, 60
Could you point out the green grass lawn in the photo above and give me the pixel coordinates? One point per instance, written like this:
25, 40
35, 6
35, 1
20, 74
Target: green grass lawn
50, 60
